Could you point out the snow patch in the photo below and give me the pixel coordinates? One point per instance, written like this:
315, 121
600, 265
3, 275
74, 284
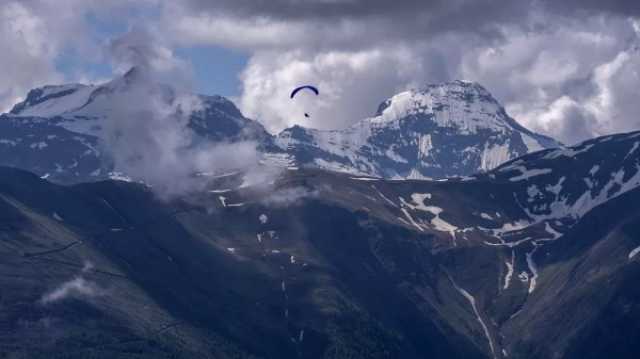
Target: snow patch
384, 197
533, 269
365, 178
118, 176
5, 141
38, 145
526, 173
531, 143
633, 149
493, 156
437, 222
424, 146
411, 220
472, 301
510, 266
220, 190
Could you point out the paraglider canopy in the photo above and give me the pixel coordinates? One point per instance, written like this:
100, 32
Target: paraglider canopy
309, 87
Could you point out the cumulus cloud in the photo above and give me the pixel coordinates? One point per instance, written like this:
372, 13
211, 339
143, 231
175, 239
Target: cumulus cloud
544, 63
27, 55
528, 72
350, 83
147, 133
143, 49
35, 33
564, 81
77, 287
560, 67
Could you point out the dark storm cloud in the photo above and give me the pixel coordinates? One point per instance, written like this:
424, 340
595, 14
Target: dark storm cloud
617, 7
400, 18
425, 15
305, 10
359, 24
492, 10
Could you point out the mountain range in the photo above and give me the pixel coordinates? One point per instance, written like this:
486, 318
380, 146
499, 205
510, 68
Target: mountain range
438, 228
445, 130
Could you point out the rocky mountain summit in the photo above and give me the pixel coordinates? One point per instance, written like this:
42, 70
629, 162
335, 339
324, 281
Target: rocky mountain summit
444, 130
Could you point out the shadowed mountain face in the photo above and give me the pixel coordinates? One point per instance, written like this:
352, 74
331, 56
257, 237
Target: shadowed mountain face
534, 259
445, 130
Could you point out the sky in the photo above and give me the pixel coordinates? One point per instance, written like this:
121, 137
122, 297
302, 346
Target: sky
568, 69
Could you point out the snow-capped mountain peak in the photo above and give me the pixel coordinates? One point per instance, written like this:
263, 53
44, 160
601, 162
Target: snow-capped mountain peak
53, 100
449, 129
78, 100
444, 130
74, 123
462, 105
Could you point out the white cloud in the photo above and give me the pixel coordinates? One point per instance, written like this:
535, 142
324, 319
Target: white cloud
27, 53
288, 196
616, 103
552, 80
147, 132
35, 33
534, 72
554, 73
352, 84
573, 82
77, 287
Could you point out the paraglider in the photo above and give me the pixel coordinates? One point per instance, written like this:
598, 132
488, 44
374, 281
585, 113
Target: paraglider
298, 89
305, 87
